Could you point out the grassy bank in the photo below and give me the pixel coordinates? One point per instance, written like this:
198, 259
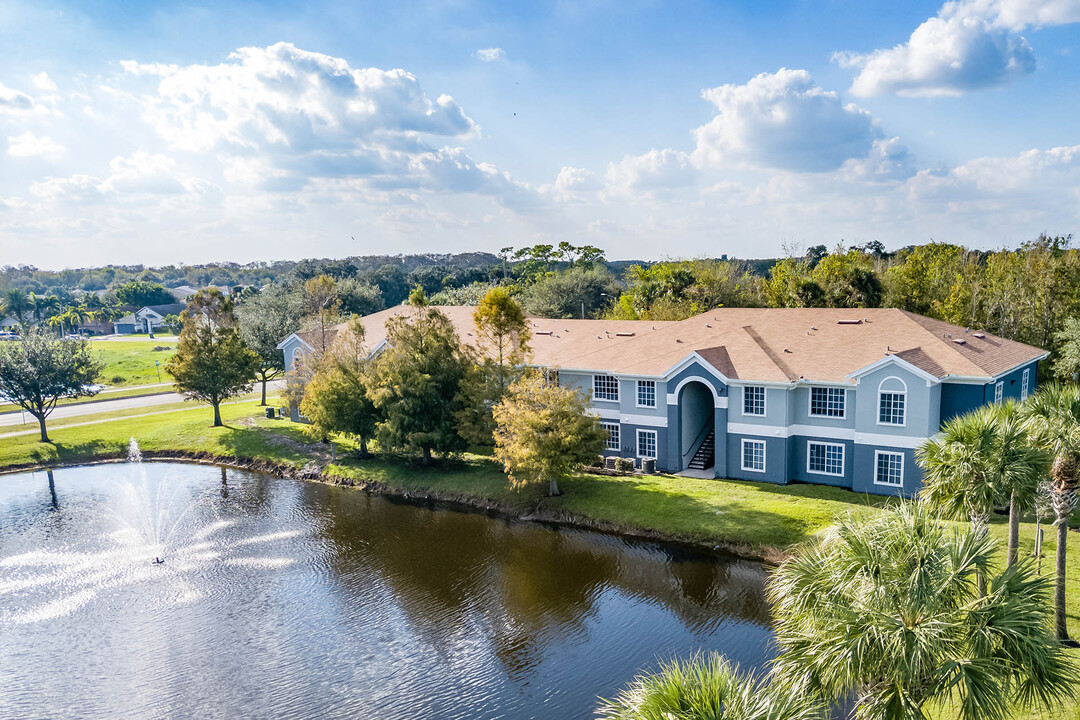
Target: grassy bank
755, 519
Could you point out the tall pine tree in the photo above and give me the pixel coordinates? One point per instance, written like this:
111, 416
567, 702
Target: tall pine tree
416, 382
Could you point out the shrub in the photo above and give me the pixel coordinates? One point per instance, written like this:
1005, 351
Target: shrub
624, 465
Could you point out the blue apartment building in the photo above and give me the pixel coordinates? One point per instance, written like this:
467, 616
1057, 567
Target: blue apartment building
827, 396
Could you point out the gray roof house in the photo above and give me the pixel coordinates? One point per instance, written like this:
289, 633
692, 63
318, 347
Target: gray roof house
827, 396
147, 319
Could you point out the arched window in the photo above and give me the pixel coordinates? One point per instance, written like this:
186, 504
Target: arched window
297, 358
892, 401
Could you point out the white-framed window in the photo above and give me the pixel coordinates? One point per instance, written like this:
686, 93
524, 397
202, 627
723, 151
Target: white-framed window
999, 391
613, 440
297, 358
753, 455
646, 444
827, 402
753, 400
888, 468
646, 393
825, 458
605, 387
892, 402
1025, 384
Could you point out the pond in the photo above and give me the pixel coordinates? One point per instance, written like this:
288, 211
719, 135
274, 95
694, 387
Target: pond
287, 599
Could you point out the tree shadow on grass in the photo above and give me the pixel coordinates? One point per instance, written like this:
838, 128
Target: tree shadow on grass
63, 452
259, 442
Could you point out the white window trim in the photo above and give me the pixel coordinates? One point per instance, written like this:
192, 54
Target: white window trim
843, 458
764, 403
877, 454
891, 392
764, 455
604, 399
618, 433
999, 393
810, 404
637, 394
656, 442
1025, 384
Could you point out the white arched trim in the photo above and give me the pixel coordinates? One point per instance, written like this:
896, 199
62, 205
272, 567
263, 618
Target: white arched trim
903, 385
718, 401
892, 389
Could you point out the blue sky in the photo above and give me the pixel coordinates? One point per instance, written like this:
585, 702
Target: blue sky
182, 132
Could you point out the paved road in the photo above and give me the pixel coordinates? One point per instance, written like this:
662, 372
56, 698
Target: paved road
67, 411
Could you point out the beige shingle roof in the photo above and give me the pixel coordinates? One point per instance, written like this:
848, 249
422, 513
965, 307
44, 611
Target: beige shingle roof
762, 344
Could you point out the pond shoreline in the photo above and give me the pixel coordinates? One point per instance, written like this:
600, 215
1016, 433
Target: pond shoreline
313, 472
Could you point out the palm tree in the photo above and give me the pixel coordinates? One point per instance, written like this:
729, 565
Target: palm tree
708, 687
983, 460
887, 610
15, 303
1053, 414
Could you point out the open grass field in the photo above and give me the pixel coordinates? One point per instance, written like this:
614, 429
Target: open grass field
129, 367
763, 517
131, 363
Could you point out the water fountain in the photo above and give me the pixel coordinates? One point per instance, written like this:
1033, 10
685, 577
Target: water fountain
155, 519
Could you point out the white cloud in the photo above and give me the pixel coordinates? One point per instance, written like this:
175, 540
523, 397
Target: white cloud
280, 117
574, 179
134, 176
14, 101
42, 81
888, 160
452, 170
1017, 15
30, 145
490, 54
1031, 172
783, 120
969, 45
281, 99
654, 170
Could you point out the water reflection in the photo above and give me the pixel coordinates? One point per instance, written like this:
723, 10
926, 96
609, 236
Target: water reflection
291, 599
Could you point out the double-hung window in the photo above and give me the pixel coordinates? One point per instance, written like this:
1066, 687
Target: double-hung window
613, 440
605, 387
1025, 384
646, 443
753, 455
827, 402
753, 400
999, 391
825, 458
646, 393
892, 402
888, 468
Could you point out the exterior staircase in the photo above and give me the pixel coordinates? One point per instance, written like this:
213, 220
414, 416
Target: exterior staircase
706, 453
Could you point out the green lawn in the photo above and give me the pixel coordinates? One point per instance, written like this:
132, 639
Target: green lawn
128, 364
755, 518
111, 415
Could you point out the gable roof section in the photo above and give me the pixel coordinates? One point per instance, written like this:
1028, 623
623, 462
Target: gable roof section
752, 344
163, 310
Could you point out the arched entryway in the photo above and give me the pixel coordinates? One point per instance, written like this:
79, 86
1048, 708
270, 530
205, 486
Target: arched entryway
697, 422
